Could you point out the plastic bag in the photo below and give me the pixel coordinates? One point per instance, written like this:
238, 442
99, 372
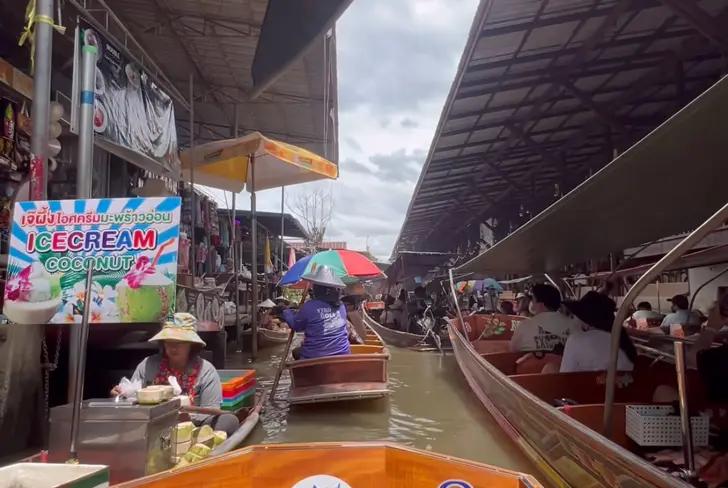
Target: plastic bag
172, 381
129, 388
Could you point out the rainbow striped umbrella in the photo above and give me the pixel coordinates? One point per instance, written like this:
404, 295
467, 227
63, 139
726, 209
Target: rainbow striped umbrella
350, 266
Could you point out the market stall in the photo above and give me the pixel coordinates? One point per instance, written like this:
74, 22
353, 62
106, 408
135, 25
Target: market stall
253, 162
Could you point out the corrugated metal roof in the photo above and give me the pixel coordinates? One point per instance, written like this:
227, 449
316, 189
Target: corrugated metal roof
668, 183
545, 92
216, 41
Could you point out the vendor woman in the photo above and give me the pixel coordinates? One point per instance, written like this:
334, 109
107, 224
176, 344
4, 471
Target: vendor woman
179, 356
322, 319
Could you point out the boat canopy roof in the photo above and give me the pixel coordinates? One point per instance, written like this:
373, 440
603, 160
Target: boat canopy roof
667, 183
409, 264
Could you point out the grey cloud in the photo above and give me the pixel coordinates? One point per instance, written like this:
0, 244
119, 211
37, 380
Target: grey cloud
354, 166
408, 123
399, 165
384, 122
353, 144
391, 61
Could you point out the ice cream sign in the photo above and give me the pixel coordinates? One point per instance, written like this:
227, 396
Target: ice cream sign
131, 244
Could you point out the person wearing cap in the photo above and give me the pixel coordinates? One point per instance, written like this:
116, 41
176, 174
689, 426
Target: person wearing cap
589, 350
266, 318
322, 319
548, 329
523, 305
680, 314
179, 356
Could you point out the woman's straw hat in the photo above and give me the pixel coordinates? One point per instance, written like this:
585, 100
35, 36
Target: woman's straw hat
182, 328
267, 304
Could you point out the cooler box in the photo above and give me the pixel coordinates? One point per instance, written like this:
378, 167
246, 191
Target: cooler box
238, 388
45, 475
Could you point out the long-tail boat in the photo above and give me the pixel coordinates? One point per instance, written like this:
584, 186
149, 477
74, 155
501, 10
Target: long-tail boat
573, 425
363, 374
341, 465
392, 337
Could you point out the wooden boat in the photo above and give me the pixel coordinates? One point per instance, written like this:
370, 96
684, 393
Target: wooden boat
344, 465
390, 336
363, 374
269, 337
556, 438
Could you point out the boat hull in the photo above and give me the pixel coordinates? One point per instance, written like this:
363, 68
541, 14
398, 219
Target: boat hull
392, 337
268, 338
361, 375
351, 464
566, 451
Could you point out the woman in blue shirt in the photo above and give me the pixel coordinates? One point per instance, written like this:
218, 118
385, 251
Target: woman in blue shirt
322, 319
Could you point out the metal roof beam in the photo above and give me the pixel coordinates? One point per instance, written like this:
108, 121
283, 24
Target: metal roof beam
546, 56
701, 20
602, 112
564, 19
164, 14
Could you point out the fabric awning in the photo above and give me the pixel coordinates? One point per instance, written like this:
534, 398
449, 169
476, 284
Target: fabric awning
666, 184
225, 164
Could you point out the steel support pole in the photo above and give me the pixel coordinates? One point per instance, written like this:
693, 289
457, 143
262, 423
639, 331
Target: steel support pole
85, 165
685, 427
84, 184
43, 42
79, 373
193, 242
254, 262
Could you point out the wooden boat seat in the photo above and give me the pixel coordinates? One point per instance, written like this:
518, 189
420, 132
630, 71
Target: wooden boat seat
592, 416
588, 387
367, 348
510, 363
489, 346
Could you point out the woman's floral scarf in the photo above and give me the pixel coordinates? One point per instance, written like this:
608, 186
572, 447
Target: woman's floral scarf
187, 379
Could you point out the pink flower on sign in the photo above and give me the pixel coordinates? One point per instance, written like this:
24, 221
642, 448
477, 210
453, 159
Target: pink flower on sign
142, 269
18, 287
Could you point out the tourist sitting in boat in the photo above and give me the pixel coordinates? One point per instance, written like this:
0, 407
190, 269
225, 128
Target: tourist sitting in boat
681, 315
322, 319
180, 357
506, 307
267, 319
644, 312
589, 350
396, 316
523, 307
352, 303
548, 329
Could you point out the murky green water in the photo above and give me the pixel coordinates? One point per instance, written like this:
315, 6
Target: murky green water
431, 407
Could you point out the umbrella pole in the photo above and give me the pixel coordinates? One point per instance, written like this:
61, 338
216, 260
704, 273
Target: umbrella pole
234, 250
254, 270
283, 223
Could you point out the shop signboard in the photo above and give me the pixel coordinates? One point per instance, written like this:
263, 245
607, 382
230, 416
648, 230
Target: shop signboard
133, 117
131, 243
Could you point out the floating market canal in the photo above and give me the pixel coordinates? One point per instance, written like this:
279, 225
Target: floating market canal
430, 407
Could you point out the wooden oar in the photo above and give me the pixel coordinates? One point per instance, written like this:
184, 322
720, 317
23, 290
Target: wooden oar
291, 335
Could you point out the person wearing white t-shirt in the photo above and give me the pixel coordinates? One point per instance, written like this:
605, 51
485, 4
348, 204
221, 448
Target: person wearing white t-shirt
589, 350
548, 328
644, 311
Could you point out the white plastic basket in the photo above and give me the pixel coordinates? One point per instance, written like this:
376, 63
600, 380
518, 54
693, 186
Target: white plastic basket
654, 425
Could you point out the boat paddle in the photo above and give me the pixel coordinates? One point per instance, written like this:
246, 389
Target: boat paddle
284, 357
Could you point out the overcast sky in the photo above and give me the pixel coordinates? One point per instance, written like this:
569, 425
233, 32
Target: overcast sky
396, 61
